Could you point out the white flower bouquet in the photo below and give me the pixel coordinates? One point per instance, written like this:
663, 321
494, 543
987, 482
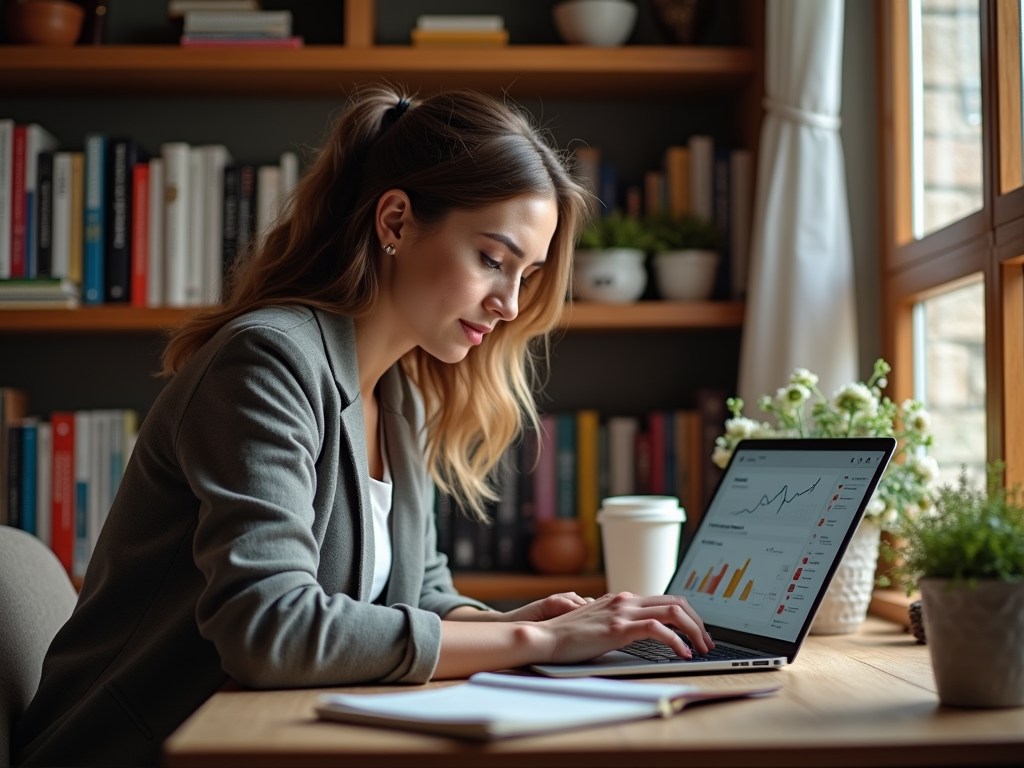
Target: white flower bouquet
856, 410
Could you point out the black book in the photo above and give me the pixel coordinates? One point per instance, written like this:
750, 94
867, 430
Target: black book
464, 540
485, 540
229, 228
15, 465
246, 206
444, 514
509, 549
44, 220
122, 155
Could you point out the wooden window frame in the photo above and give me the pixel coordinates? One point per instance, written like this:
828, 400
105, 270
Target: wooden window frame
990, 241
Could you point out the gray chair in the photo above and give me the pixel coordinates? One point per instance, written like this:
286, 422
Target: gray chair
36, 598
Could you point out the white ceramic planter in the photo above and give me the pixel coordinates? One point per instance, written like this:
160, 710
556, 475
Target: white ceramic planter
976, 640
603, 23
610, 276
845, 605
686, 275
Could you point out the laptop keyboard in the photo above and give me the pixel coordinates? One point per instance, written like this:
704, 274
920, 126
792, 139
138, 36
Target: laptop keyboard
657, 651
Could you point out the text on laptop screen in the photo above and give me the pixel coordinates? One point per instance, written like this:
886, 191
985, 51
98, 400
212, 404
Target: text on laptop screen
770, 537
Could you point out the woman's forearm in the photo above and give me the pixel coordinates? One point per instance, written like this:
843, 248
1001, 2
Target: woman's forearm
468, 647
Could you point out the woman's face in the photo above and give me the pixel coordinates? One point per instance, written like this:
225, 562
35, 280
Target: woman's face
452, 284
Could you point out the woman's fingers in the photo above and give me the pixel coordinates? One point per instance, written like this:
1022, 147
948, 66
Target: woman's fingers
701, 638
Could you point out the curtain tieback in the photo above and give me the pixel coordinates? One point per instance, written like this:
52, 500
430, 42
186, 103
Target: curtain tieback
802, 116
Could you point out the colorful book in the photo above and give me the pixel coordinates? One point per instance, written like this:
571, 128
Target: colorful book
139, 292
94, 258
44, 482
565, 480
587, 484
43, 204
64, 493
6, 181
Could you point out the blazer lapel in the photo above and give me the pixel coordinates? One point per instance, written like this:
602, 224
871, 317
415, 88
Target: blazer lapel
340, 343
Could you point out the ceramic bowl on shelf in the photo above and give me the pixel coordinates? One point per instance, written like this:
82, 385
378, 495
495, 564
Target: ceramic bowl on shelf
686, 275
610, 276
605, 23
44, 22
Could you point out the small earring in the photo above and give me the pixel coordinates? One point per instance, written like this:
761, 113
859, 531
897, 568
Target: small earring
389, 249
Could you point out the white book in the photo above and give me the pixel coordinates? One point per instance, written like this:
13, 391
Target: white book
622, 432
37, 139
702, 165
176, 226
741, 188
276, 23
60, 265
83, 491
268, 193
217, 157
99, 475
6, 210
492, 706
44, 484
178, 8
155, 274
195, 269
460, 23
289, 178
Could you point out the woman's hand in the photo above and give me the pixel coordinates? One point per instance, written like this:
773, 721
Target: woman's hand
613, 621
548, 608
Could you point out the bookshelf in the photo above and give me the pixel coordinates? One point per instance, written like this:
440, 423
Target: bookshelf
653, 89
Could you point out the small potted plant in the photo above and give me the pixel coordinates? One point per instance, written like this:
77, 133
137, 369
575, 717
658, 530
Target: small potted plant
967, 557
609, 262
686, 256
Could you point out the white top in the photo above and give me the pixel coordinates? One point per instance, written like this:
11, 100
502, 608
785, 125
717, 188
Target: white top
380, 502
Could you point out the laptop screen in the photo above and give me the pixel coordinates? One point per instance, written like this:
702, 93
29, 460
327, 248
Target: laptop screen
771, 534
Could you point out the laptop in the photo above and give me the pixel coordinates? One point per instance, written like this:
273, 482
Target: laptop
759, 563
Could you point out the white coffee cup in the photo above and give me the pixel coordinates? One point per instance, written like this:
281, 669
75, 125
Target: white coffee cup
640, 536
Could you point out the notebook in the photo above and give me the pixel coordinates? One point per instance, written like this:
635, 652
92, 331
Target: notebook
494, 706
758, 565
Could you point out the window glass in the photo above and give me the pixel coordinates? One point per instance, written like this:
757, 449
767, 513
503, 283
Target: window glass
945, 65
949, 370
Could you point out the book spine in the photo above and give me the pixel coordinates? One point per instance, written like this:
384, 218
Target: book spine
61, 243
529, 454
62, 517
155, 226
95, 231
176, 223
677, 181
13, 408
130, 431
656, 432
545, 495
702, 154
654, 193
694, 469
485, 541
37, 141
6, 163
604, 475
195, 269
76, 266
268, 193
44, 482
83, 446
622, 431
721, 215
566, 467
587, 491
289, 164
118, 265
18, 213
713, 413
609, 180
741, 176
443, 514
588, 173
29, 449
463, 540
99, 477
140, 235
230, 220
508, 555
44, 220
643, 462
15, 454
217, 158
246, 207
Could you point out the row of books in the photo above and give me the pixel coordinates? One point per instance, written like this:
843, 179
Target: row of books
58, 477
697, 179
207, 28
459, 31
577, 460
127, 228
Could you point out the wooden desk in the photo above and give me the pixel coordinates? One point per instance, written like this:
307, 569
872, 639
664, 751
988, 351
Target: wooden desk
865, 699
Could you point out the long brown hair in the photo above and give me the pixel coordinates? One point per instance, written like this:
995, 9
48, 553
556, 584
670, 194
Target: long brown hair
457, 150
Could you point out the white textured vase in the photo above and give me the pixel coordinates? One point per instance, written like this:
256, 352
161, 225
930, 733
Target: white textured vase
845, 604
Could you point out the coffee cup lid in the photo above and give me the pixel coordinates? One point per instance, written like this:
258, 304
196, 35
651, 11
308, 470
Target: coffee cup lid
642, 515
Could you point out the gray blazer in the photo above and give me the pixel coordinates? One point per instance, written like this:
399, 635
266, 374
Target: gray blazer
240, 545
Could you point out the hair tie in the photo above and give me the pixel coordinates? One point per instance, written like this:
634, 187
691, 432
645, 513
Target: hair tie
392, 115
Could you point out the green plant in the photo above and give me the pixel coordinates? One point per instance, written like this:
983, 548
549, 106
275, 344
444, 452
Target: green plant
856, 410
969, 535
616, 231
685, 233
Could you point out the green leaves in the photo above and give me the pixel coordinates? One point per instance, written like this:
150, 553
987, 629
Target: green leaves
653, 235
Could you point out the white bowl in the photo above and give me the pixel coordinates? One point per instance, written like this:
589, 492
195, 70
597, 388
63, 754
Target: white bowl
595, 22
686, 275
610, 276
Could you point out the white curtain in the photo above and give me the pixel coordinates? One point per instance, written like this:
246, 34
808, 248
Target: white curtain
800, 297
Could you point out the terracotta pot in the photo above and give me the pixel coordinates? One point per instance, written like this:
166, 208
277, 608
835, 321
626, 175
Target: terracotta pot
44, 22
558, 547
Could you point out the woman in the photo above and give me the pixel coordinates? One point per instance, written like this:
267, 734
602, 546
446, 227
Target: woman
274, 524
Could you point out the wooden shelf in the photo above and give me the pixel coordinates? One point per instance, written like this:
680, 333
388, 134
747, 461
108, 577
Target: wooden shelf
526, 586
630, 72
646, 315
